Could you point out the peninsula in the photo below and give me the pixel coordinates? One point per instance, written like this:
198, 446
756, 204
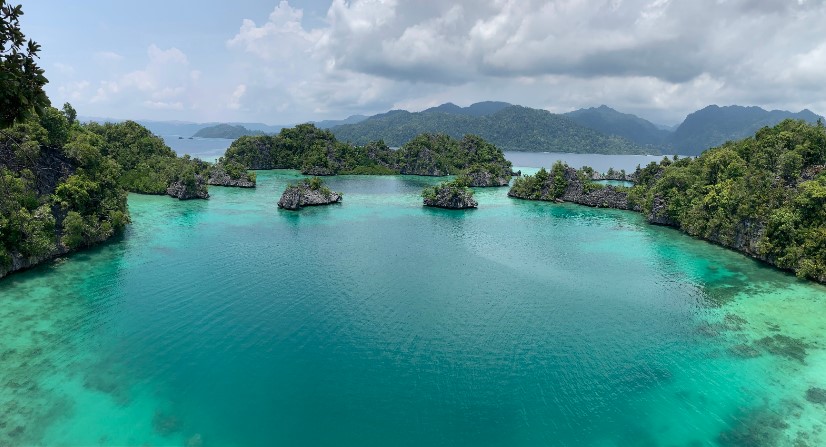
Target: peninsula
764, 196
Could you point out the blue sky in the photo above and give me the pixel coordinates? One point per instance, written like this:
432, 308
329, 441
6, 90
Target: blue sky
282, 62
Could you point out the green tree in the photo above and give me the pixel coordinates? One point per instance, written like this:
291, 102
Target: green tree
21, 80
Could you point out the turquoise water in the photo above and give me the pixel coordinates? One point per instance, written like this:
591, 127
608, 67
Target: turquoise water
379, 322
615, 183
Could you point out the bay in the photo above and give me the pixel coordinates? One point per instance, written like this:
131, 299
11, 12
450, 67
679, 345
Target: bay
380, 322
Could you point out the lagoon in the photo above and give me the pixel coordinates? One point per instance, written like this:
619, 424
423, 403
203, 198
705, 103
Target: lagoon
380, 322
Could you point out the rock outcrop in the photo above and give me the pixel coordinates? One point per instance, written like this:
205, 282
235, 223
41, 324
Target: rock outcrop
571, 186
451, 195
307, 192
184, 190
49, 168
589, 194
318, 171
219, 177
482, 177
658, 214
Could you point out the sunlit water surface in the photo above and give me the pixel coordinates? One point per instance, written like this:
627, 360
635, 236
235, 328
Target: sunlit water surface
378, 322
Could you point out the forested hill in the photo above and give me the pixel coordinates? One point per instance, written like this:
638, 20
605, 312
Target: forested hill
510, 128
226, 131
631, 127
714, 125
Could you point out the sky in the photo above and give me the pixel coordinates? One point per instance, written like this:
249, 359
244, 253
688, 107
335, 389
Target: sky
284, 62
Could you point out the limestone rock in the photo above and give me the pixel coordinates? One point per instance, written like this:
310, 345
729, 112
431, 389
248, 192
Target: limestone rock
482, 177
450, 195
219, 177
185, 191
308, 192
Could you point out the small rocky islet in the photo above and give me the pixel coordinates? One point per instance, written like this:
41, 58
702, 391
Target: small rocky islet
308, 192
455, 195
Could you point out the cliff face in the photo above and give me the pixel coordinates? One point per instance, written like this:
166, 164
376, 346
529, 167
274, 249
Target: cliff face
307, 193
450, 195
50, 168
219, 177
481, 177
594, 195
186, 191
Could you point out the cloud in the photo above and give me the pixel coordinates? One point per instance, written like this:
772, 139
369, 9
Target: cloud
235, 99
107, 57
64, 69
162, 84
657, 57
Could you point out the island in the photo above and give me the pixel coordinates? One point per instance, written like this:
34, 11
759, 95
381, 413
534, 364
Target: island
453, 195
227, 131
308, 192
316, 152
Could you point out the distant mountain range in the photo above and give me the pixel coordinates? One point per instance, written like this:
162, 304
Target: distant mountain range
507, 126
599, 130
631, 127
714, 125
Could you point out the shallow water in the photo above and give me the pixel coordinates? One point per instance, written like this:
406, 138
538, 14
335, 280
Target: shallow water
624, 183
380, 322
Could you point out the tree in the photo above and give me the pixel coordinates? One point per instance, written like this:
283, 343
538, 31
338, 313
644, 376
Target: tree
21, 80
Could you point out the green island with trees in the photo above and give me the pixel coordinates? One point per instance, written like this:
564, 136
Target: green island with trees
764, 196
454, 194
316, 151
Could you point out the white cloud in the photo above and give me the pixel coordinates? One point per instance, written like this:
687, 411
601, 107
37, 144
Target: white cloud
64, 69
163, 84
107, 57
235, 99
660, 58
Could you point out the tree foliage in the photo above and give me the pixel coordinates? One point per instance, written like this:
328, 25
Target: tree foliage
317, 152
765, 195
21, 80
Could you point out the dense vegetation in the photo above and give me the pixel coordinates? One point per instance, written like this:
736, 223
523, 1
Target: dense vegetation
317, 152
21, 79
543, 185
60, 190
765, 195
631, 127
227, 131
454, 194
511, 128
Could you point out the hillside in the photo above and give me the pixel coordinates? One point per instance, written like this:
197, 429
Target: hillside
714, 125
510, 128
631, 127
352, 119
477, 109
227, 131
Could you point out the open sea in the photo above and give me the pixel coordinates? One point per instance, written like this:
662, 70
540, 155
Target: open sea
378, 322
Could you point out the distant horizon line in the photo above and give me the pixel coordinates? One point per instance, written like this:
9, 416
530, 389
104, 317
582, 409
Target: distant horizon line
86, 118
